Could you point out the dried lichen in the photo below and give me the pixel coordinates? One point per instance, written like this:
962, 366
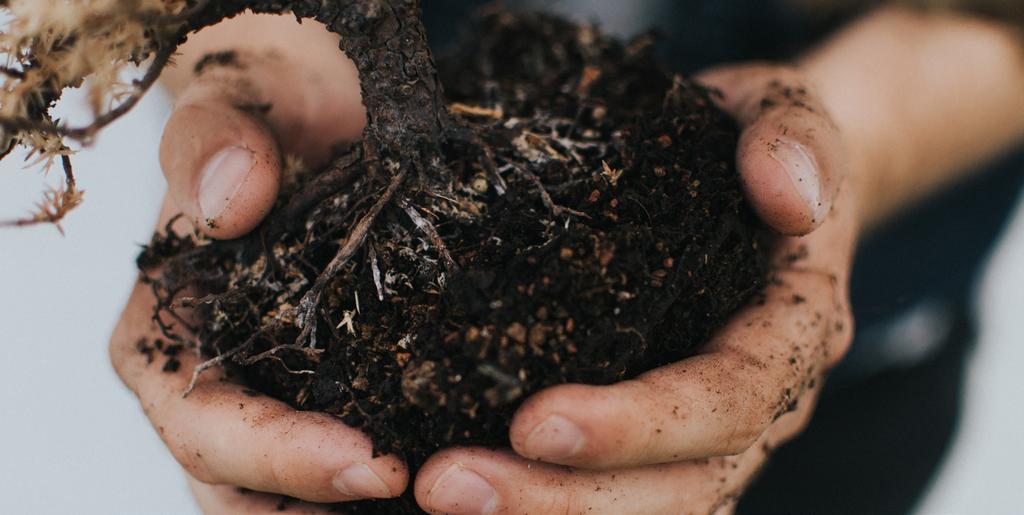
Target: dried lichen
51, 45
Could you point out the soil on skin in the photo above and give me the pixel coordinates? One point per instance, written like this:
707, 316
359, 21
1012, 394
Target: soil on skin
596, 229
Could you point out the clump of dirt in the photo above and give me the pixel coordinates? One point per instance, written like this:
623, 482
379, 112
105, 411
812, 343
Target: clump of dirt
594, 228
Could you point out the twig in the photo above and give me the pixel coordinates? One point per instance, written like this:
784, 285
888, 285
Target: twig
143, 85
191, 302
341, 173
289, 370
159, 308
471, 110
307, 306
56, 203
376, 273
464, 134
545, 197
271, 353
160, 60
206, 365
435, 238
11, 72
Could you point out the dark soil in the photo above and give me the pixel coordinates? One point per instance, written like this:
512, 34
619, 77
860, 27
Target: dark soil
593, 228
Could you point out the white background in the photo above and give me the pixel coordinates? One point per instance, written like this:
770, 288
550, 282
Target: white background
73, 440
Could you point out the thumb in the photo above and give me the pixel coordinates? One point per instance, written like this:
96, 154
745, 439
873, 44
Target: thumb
221, 161
790, 154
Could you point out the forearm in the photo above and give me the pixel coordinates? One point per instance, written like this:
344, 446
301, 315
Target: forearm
920, 99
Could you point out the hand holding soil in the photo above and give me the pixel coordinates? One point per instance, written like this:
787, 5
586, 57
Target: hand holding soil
224, 433
243, 107
673, 415
546, 241
690, 436
686, 438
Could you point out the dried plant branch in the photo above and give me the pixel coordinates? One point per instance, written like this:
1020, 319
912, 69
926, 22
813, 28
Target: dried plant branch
217, 361
50, 46
56, 203
428, 228
545, 196
141, 87
310, 301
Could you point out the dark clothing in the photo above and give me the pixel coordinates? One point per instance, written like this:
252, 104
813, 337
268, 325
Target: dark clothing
889, 412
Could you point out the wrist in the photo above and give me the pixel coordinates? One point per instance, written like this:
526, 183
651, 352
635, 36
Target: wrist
920, 99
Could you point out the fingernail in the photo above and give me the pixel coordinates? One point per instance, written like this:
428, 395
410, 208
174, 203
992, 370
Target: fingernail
360, 482
803, 172
461, 491
221, 178
555, 438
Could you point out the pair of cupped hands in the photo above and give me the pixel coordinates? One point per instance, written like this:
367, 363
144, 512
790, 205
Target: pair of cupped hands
685, 438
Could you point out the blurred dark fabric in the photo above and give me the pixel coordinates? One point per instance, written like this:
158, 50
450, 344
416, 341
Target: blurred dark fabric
889, 412
873, 447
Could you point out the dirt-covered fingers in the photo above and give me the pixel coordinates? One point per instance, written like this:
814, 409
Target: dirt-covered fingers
223, 433
479, 481
484, 481
790, 153
222, 149
229, 500
222, 167
714, 404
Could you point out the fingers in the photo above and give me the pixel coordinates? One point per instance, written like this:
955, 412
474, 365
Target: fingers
225, 434
223, 145
479, 481
222, 166
714, 404
790, 153
229, 500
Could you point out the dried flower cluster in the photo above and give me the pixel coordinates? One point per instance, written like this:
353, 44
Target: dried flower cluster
51, 45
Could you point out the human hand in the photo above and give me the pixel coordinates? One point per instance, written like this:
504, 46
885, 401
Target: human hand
221, 153
242, 106
689, 437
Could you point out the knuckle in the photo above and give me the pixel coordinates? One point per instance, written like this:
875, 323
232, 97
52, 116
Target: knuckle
290, 467
754, 415
742, 439
643, 447
755, 380
745, 440
833, 321
567, 502
736, 446
277, 469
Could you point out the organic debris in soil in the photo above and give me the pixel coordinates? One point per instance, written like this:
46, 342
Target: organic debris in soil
595, 228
